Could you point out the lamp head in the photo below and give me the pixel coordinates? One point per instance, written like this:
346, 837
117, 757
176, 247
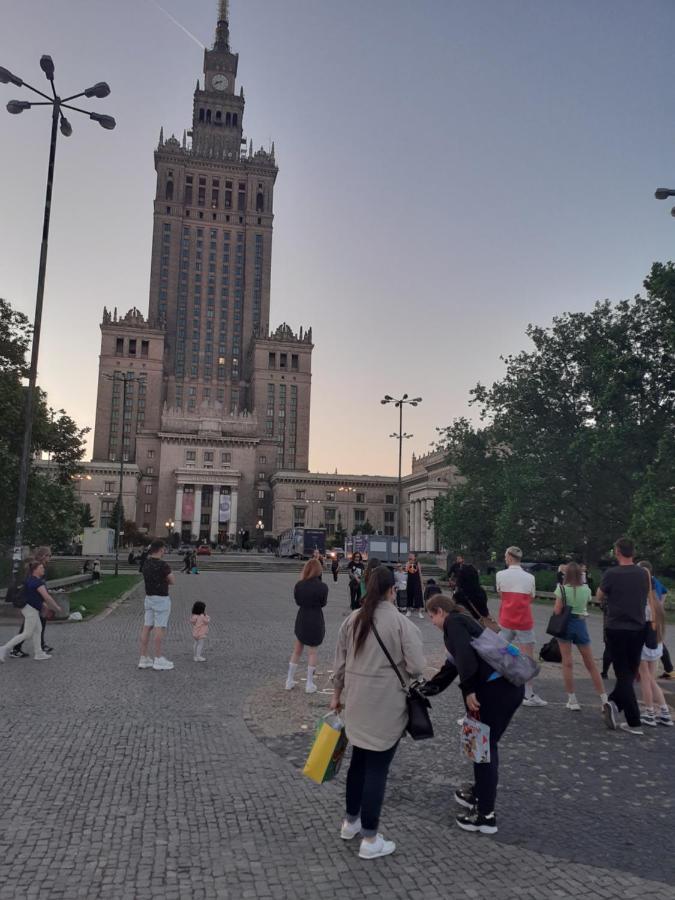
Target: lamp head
47, 66
100, 89
66, 127
6, 77
17, 106
663, 193
104, 121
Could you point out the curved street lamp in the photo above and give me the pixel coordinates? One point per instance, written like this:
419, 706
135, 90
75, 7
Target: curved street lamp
401, 435
15, 107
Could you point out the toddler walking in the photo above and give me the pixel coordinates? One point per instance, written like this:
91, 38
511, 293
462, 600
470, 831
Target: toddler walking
200, 628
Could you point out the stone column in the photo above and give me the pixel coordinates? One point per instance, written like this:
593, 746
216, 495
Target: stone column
178, 514
233, 514
420, 525
432, 528
215, 513
197, 514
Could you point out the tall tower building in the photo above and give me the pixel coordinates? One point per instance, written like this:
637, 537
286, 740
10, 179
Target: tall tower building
230, 403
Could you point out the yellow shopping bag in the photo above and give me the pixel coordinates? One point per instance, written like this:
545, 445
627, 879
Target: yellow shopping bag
328, 748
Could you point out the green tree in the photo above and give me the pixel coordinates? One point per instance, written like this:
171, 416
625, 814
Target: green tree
86, 518
653, 525
568, 433
363, 528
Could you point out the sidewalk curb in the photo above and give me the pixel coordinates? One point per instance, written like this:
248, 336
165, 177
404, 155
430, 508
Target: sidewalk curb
113, 606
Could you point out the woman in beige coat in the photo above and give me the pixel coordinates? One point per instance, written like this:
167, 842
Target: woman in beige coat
374, 703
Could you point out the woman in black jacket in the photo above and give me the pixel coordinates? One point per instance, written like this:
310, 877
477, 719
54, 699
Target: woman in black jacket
311, 595
469, 593
487, 695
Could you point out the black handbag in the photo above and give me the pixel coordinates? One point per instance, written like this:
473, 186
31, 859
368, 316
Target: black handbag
419, 725
557, 624
550, 652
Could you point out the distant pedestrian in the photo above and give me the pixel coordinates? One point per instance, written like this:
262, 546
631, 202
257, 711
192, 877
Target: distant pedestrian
355, 569
96, 570
625, 588
576, 595
36, 595
652, 651
431, 589
157, 576
401, 581
131, 558
194, 567
516, 589
453, 570
335, 567
200, 628
470, 593
311, 595
414, 586
375, 711
187, 562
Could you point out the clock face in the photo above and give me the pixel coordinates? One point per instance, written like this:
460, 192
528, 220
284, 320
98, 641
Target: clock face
219, 82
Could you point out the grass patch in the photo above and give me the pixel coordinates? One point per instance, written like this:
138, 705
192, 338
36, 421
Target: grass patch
97, 597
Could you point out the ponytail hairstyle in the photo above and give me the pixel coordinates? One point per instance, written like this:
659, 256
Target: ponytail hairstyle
379, 583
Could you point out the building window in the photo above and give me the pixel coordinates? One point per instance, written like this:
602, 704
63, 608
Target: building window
147, 507
283, 360
208, 456
360, 498
144, 349
108, 486
299, 495
119, 347
150, 470
389, 517
151, 454
190, 455
299, 516
225, 459
261, 476
389, 498
261, 511
271, 360
148, 489
262, 460
330, 496
261, 495
294, 362
359, 516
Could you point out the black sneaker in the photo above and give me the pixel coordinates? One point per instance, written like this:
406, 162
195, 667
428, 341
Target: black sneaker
47, 649
475, 821
18, 654
466, 797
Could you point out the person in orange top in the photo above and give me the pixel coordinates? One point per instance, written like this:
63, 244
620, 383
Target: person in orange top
200, 628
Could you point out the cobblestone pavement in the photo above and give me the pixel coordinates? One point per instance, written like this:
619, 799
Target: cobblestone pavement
122, 783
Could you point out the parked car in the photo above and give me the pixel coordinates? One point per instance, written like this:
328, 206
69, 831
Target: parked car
204, 550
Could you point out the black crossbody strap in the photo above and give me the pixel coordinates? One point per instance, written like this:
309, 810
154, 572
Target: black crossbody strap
388, 655
564, 595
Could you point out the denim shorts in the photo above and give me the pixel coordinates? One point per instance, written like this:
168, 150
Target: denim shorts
577, 631
514, 636
157, 610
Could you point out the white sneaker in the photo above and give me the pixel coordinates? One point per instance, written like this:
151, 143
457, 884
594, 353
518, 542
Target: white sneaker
624, 726
534, 700
3, 654
408, 614
421, 615
573, 704
162, 664
146, 662
349, 830
378, 847
42, 656
290, 685
200, 659
310, 688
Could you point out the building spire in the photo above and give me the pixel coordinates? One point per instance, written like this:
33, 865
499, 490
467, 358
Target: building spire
222, 41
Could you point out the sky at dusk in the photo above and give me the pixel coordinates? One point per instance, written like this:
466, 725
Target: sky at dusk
449, 171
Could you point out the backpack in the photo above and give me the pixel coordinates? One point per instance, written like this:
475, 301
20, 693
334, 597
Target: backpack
18, 596
550, 652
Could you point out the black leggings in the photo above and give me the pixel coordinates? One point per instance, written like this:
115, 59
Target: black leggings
354, 592
498, 700
666, 660
366, 783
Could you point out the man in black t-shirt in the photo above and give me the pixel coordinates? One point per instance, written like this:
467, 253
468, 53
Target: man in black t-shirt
157, 576
624, 589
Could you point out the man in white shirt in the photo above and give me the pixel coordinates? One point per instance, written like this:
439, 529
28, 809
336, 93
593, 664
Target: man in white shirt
516, 591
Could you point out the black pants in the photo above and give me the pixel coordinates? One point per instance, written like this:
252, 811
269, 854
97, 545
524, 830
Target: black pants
625, 648
354, 592
43, 622
335, 574
498, 700
366, 783
606, 655
666, 660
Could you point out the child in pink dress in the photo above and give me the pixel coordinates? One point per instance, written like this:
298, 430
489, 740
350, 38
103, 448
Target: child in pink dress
200, 628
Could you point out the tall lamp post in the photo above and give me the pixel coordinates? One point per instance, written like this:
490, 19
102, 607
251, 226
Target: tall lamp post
126, 378
100, 89
400, 435
259, 530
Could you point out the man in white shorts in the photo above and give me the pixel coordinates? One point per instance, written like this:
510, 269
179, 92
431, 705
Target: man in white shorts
158, 577
516, 592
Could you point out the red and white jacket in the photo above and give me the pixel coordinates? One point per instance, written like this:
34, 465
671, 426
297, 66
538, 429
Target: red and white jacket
515, 587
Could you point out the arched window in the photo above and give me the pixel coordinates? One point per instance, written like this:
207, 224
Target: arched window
234, 120
228, 119
169, 190
259, 202
208, 115
219, 116
201, 115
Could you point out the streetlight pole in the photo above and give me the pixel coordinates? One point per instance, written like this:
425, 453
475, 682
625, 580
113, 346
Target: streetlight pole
400, 435
16, 107
126, 378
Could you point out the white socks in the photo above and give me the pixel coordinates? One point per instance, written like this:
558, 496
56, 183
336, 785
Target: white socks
572, 698
310, 687
290, 680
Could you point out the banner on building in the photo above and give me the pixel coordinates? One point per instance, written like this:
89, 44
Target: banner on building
188, 506
225, 508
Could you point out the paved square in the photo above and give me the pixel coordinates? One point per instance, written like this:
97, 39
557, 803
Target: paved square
122, 783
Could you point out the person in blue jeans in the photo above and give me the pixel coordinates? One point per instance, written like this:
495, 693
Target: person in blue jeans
486, 695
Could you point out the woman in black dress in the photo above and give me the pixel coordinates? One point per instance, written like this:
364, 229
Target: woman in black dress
414, 588
469, 592
311, 595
